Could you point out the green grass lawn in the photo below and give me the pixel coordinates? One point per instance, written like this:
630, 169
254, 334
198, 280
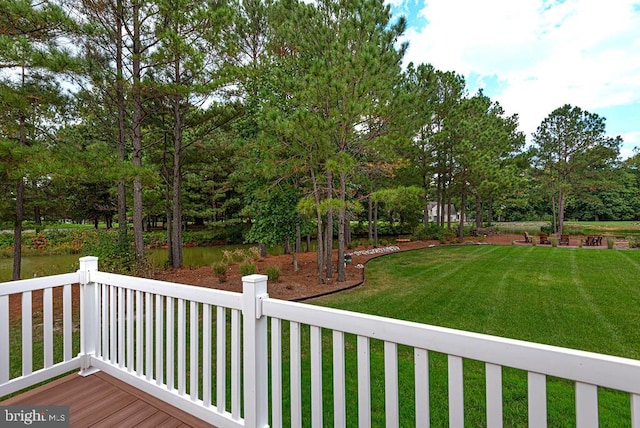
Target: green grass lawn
577, 298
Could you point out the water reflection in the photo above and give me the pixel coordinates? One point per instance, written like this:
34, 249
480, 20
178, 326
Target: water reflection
36, 266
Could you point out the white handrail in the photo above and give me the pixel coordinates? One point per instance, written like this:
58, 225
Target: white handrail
597, 369
24, 290
136, 330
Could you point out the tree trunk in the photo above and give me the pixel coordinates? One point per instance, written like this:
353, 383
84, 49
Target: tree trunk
561, 201
425, 211
168, 226
439, 199
294, 258
37, 217
176, 247
490, 208
17, 231
296, 248
320, 249
463, 203
370, 219
375, 224
448, 211
341, 226
329, 229
298, 237
17, 226
137, 135
122, 136
478, 211
554, 214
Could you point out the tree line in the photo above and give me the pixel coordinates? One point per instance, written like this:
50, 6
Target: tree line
296, 118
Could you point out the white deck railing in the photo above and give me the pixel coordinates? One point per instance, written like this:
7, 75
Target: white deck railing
213, 354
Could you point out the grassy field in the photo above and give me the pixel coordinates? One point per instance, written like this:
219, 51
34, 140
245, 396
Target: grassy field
576, 298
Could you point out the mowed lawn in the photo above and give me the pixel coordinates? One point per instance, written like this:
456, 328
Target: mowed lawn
578, 298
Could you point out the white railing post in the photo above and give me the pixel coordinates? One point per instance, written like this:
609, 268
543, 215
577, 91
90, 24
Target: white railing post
88, 314
254, 289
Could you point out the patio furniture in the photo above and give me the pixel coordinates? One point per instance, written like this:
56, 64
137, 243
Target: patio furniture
544, 238
564, 239
527, 238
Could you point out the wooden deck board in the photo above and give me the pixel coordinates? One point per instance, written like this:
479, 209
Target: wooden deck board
101, 401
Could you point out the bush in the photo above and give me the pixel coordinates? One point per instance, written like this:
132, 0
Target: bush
220, 270
433, 231
634, 241
547, 228
273, 273
254, 253
611, 242
115, 256
6, 240
248, 268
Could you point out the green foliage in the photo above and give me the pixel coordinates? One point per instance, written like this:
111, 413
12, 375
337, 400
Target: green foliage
220, 270
430, 232
114, 256
633, 241
273, 273
611, 242
434, 232
276, 218
6, 240
402, 203
547, 228
248, 268
573, 156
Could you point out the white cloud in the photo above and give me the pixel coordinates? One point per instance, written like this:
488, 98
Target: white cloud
543, 53
631, 141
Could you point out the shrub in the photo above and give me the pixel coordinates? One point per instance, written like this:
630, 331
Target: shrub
554, 241
115, 256
634, 241
220, 270
227, 256
431, 231
611, 243
39, 242
273, 273
248, 268
547, 228
6, 240
240, 255
254, 253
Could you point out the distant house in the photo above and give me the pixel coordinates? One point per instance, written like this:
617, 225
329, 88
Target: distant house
433, 212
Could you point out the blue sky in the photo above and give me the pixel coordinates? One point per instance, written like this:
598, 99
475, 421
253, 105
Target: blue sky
533, 56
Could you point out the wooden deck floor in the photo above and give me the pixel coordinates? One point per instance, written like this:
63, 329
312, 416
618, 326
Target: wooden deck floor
100, 400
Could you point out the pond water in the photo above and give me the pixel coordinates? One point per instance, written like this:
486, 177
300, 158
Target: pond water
35, 266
